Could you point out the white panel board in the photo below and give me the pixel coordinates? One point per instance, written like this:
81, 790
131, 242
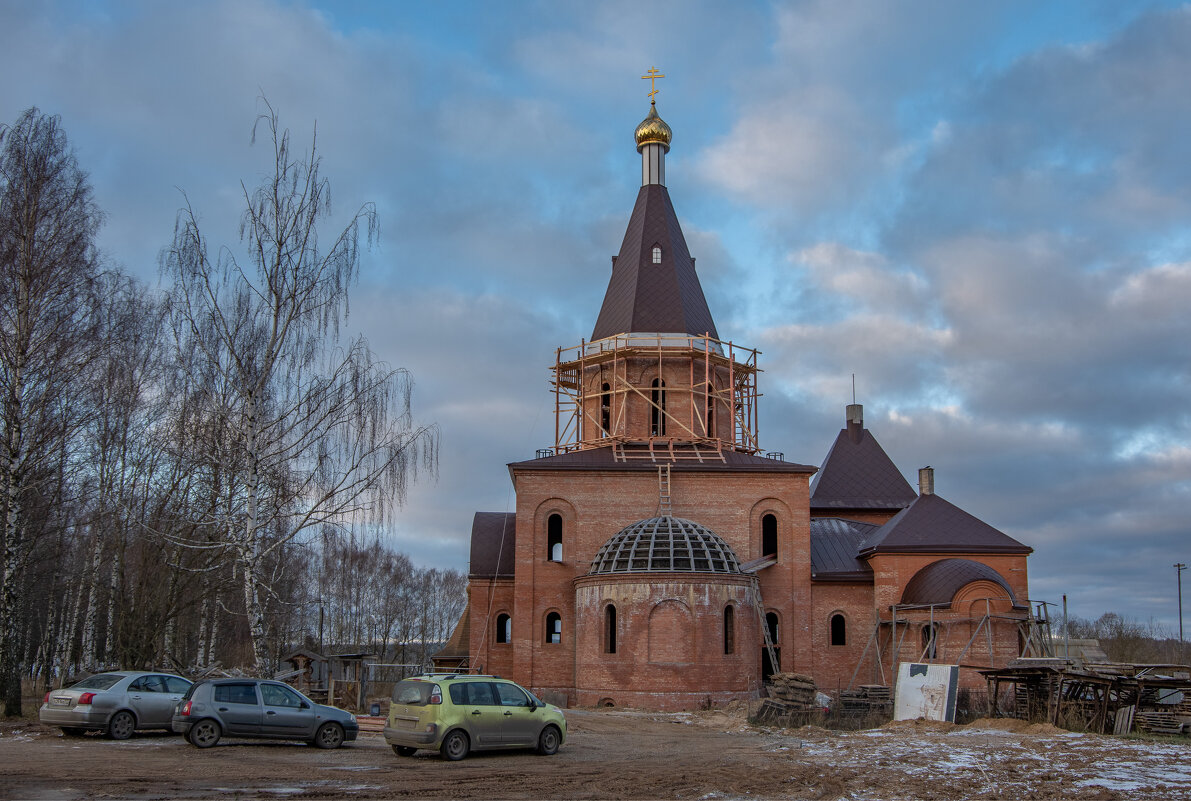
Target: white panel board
926, 691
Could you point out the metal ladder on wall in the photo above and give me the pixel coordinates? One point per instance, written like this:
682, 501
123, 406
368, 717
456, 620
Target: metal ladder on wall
760, 607
664, 508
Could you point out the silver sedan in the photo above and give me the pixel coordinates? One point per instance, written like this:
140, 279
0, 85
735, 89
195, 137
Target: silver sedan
116, 703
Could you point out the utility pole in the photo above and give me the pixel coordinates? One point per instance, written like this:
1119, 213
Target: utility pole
1179, 567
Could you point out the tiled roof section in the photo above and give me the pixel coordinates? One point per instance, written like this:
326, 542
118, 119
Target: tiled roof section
606, 459
834, 545
857, 474
938, 582
493, 545
644, 297
460, 643
933, 525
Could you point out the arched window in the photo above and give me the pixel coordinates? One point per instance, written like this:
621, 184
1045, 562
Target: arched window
553, 628
729, 629
605, 410
657, 412
657, 255
839, 630
771, 624
710, 418
930, 641
610, 629
769, 535
504, 628
554, 538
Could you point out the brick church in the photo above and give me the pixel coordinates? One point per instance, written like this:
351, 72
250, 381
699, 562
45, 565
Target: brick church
659, 558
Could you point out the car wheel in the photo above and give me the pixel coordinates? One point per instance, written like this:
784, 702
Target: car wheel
122, 725
455, 746
329, 735
549, 740
404, 750
204, 734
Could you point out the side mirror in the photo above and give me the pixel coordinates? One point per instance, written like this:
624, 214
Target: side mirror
305, 705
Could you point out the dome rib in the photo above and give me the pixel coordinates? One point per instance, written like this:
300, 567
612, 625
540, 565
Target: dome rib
665, 545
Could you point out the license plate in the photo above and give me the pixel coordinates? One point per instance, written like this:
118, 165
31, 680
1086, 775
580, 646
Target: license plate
405, 723
60, 701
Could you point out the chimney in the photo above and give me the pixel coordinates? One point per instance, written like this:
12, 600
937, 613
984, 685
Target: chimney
855, 421
926, 480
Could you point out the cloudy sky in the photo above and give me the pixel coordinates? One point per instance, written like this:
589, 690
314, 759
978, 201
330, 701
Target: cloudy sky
983, 211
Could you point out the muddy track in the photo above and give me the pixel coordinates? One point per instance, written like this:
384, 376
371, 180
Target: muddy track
618, 755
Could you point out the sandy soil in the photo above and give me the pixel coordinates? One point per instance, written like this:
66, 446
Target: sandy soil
616, 754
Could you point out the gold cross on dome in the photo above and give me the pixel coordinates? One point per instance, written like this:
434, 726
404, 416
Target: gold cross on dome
652, 77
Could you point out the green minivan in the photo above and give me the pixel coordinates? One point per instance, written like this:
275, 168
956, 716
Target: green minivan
456, 713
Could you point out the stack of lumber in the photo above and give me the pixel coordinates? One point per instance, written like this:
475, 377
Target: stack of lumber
791, 701
370, 724
793, 688
867, 696
1158, 723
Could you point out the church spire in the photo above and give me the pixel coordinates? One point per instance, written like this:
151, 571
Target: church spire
654, 288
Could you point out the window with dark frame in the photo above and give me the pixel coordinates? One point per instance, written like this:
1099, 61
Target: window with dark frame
657, 412
610, 629
605, 410
554, 538
504, 628
839, 630
729, 629
769, 535
553, 628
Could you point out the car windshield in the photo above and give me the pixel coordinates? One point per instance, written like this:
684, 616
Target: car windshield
413, 693
100, 681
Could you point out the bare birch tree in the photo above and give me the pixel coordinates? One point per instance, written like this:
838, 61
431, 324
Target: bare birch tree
48, 223
315, 432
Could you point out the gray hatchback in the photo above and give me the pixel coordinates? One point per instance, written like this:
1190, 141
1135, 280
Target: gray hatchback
116, 703
259, 708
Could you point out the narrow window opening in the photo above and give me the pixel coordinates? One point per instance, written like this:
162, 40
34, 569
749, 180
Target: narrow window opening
710, 419
554, 538
605, 410
553, 628
657, 411
504, 628
769, 535
771, 624
729, 630
839, 630
657, 255
930, 641
610, 629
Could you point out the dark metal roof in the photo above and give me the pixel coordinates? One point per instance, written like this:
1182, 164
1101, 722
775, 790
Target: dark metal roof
665, 545
933, 525
858, 474
938, 582
493, 545
708, 461
644, 297
834, 545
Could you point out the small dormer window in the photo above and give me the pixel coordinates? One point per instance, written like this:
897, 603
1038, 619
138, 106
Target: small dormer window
657, 255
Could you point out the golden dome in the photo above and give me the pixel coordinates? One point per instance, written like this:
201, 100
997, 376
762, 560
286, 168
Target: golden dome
653, 129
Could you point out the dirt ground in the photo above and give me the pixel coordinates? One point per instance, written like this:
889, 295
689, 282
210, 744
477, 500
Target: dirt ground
618, 754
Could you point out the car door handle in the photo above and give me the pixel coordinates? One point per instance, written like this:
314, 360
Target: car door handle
508, 714
223, 709
270, 712
475, 712
136, 698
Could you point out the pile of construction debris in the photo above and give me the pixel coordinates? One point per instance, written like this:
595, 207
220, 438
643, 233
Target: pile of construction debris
1110, 697
793, 700
867, 698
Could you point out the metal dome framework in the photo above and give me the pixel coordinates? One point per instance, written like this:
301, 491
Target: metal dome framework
665, 545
